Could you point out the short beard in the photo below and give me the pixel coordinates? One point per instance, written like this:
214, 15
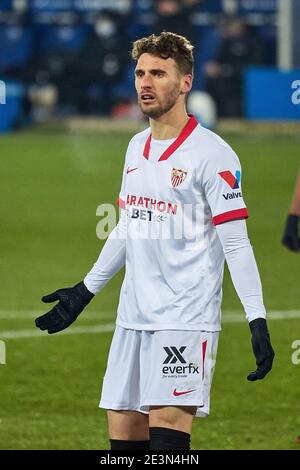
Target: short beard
163, 109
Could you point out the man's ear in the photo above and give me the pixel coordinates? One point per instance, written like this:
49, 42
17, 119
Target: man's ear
187, 83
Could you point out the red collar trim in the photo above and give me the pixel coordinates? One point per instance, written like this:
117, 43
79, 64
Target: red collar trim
184, 134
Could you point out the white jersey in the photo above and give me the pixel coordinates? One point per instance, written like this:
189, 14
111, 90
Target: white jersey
174, 193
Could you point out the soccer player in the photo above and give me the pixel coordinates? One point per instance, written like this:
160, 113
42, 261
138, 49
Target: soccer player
291, 237
182, 214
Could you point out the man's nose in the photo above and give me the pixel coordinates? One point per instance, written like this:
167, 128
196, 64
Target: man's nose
146, 82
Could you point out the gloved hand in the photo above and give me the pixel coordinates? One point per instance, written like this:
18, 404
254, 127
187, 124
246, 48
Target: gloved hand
291, 235
72, 301
262, 349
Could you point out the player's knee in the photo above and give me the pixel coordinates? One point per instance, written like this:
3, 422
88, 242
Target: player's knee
172, 417
127, 425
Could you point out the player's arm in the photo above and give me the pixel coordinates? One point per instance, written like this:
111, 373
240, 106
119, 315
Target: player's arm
111, 259
73, 300
245, 277
222, 179
291, 237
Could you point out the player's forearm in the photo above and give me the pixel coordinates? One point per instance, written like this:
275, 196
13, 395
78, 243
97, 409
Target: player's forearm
110, 261
295, 204
246, 280
242, 267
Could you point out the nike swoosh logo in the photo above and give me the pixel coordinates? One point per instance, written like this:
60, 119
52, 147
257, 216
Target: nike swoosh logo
129, 170
177, 394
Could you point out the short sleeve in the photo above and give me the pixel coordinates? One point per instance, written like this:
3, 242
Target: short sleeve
222, 186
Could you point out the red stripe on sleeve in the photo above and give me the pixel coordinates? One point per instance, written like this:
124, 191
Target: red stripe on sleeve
230, 215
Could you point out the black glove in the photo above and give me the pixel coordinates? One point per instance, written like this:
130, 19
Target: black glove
291, 237
72, 301
262, 349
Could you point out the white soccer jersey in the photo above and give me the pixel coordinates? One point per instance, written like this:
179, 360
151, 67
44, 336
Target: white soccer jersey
174, 192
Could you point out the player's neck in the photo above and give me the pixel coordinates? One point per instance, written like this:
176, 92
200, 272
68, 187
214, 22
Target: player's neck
169, 125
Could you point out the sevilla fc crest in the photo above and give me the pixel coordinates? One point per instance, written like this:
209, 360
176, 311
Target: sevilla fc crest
177, 177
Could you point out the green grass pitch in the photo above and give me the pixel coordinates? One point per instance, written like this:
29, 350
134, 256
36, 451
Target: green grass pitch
51, 185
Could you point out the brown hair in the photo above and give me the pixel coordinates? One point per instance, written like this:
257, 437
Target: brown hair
167, 45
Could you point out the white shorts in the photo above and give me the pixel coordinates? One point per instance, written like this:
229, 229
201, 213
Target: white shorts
165, 367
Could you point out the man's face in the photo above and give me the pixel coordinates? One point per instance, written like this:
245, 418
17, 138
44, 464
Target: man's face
158, 84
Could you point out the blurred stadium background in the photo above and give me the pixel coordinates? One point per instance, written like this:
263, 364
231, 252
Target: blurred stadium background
67, 111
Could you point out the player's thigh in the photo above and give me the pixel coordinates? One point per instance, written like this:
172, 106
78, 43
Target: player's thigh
173, 417
128, 425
